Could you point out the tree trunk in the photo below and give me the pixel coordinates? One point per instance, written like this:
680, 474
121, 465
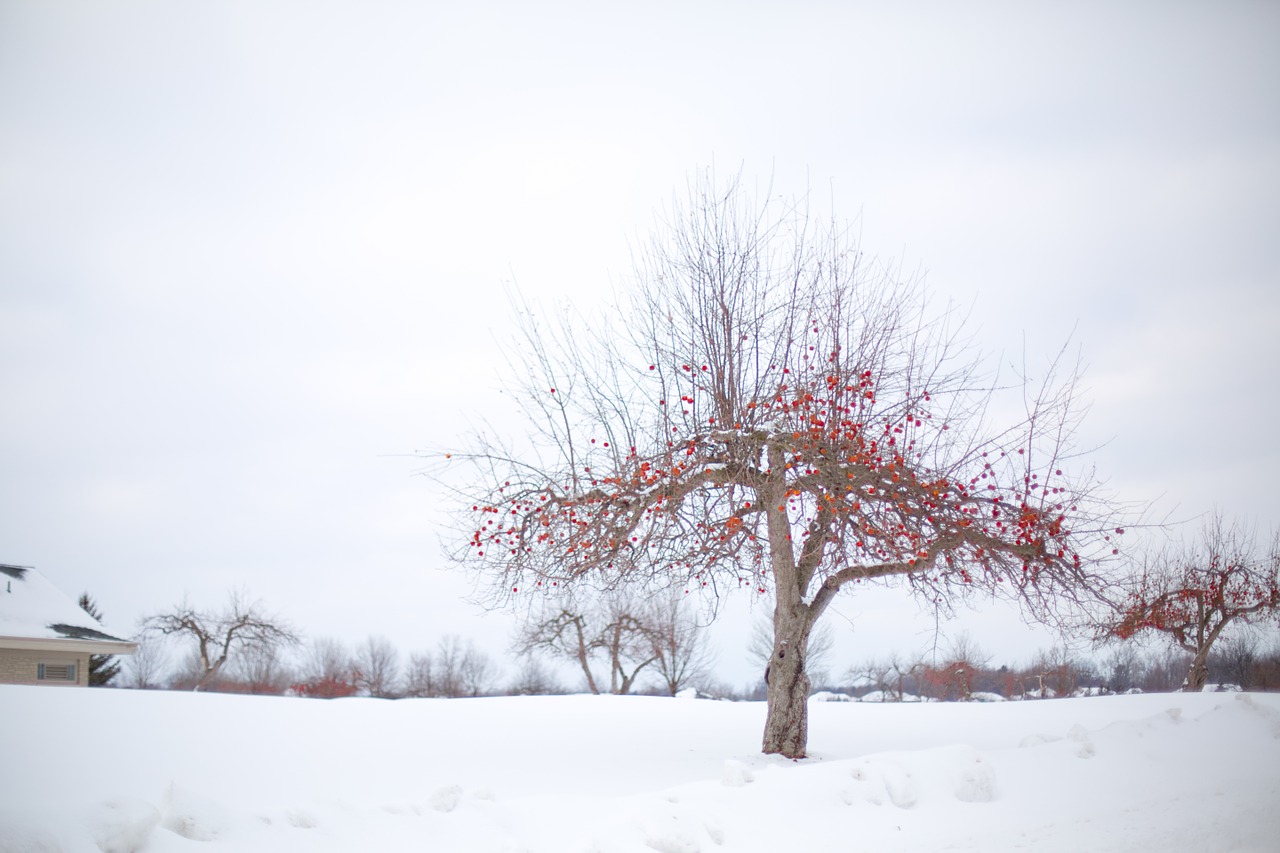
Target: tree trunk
583, 658
1198, 675
210, 673
786, 730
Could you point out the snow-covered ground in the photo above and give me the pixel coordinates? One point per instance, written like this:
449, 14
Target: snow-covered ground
116, 770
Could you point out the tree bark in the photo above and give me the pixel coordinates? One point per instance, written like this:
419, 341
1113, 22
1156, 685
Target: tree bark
583, 660
786, 730
1198, 674
210, 673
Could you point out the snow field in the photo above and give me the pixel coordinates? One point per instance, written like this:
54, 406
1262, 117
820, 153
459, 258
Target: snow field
120, 771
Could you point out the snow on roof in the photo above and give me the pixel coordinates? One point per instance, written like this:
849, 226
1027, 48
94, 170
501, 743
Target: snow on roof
32, 607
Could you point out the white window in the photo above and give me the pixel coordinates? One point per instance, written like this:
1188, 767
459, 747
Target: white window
55, 672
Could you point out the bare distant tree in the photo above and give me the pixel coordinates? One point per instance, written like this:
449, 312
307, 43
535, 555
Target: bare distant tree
888, 676
871, 673
681, 649
146, 668
461, 669
1235, 659
1057, 672
327, 659
188, 672
963, 647
218, 634
1164, 669
478, 672
562, 632
533, 678
1123, 668
326, 671
775, 411
262, 669
961, 664
1192, 593
612, 631
419, 677
1266, 669
447, 667
628, 646
377, 668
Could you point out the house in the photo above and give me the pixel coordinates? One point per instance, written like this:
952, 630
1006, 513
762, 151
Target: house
45, 638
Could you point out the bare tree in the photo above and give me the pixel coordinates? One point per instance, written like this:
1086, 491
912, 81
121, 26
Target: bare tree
900, 671
681, 651
1236, 658
628, 645
1165, 670
1266, 668
612, 630
262, 669
773, 411
377, 668
534, 679
1192, 594
448, 665
873, 674
327, 658
1056, 672
217, 634
1124, 669
562, 631
145, 669
961, 665
327, 670
419, 678
478, 672
887, 676
460, 669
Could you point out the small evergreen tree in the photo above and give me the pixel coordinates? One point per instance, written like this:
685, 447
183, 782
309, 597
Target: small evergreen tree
102, 668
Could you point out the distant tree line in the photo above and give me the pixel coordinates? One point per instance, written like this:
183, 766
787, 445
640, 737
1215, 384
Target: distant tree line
617, 645
656, 644
964, 673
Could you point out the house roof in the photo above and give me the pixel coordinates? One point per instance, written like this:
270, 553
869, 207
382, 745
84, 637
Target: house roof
32, 608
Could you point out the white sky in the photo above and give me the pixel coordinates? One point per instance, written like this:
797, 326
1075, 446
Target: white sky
252, 254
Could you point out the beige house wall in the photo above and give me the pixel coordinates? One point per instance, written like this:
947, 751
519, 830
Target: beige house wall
21, 666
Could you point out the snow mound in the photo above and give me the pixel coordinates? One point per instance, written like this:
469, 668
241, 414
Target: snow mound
195, 817
881, 696
829, 696
736, 774
123, 825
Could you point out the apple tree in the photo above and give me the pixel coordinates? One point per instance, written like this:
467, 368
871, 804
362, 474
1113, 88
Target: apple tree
217, 635
1193, 593
770, 410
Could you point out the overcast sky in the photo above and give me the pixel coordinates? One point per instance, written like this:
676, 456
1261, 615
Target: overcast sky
254, 254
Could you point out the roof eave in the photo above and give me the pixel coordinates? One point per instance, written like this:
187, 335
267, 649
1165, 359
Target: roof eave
50, 644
